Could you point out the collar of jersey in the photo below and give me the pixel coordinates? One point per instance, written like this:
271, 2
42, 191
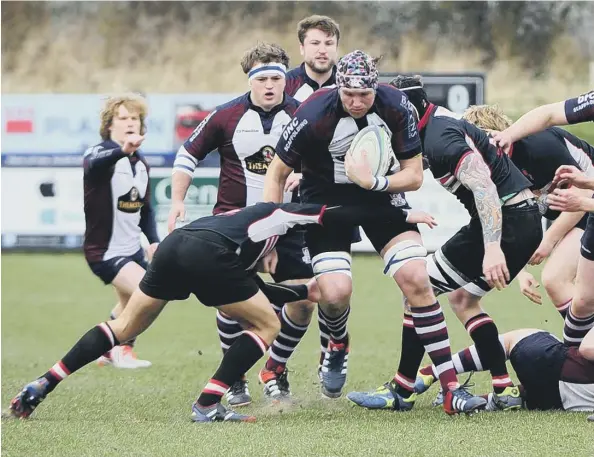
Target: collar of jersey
272, 112
314, 85
423, 121
113, 144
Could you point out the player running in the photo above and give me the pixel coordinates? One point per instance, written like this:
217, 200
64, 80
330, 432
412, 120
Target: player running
245, 131
552, 375
503, 233
318, 137
539, 156
235, 244
580, 316
118, 208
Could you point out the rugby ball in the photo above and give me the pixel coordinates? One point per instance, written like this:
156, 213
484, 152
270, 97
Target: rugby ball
375, 142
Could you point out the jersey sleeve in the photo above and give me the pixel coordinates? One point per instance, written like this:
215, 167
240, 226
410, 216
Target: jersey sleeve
580, 109
406, 143
296, 139
99, 158
204, 139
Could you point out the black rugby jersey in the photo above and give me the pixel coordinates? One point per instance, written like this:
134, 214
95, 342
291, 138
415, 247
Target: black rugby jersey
539, 156
256, 229
447, 139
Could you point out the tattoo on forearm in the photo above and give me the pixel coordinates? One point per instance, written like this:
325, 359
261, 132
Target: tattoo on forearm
474, 174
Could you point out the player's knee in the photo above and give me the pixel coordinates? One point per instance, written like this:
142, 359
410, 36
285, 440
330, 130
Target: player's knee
414, 281
461, 301
301, 311
551, 280
337, 295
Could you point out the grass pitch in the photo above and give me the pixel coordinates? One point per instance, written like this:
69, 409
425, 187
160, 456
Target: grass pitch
49, 301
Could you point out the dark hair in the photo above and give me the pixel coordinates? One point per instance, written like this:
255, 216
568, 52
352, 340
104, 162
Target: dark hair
324, 23
417, 96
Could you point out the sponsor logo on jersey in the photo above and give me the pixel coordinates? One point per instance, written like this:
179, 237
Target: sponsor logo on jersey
258, 162
130, 203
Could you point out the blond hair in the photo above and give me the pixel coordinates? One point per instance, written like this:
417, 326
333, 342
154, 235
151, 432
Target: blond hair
263, 53
324, 23
487, 117
132, 102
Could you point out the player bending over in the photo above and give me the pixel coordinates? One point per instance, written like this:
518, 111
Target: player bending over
318, 138
539, 156
572, 111
234, 244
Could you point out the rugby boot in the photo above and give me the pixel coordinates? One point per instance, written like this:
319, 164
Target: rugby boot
239, 394
384, 397
423, 382
123, 357
23, 405
217, 413
276, 383
508, 400
334, 369
459, 400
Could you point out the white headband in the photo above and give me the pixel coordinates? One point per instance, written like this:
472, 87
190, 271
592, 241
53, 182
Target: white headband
267, 69
404, 89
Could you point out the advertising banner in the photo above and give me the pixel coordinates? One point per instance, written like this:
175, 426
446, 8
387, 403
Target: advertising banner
47, 210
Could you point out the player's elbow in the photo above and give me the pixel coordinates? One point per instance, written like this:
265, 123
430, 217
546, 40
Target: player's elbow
416, 181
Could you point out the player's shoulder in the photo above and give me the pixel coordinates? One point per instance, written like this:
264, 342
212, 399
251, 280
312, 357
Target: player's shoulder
391, 96
295, 73
102, 146
290, 103
241, 102
321, 103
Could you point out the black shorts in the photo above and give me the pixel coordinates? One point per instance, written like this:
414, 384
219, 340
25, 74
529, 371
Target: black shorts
587, 249
538, 360
202, 263
294, 261
107, 270
319, 239
459, 262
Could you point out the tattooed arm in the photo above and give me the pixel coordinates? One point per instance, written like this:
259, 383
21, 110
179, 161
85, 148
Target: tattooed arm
474, 174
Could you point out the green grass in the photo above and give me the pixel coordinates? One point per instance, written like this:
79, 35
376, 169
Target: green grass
49, 301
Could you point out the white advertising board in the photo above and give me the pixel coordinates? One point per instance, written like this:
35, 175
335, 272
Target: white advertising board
43, 207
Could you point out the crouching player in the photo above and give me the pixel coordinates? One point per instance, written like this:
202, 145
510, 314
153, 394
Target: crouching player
580, 316
552, 375
538, 157
234, 243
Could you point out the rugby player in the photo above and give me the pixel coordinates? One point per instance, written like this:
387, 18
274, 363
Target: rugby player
117, 207
538, 157
235, 244
580, 316
552, 375
245, 132
503, 233
318, 44
318, 137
